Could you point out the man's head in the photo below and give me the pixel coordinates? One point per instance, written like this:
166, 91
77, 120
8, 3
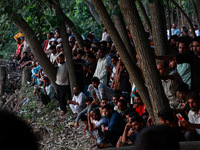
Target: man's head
102, 52
18, 41
25, 54
163, 68
91, 58
61, 58
104, 101
193, 101
122, 105
76, 90
46, 81
115, 99
95, 82
182, 91
107, 110
183, 47
195, 27
88, 101
157, 138
174, 25
138, 99
137, 123
114, 60
49, 35
80, 54
96, 114
166, 117
196, 45
53, 49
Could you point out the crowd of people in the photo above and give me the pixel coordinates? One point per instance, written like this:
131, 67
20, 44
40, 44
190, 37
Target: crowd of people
110, 107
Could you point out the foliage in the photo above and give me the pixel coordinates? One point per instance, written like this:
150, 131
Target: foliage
80, 14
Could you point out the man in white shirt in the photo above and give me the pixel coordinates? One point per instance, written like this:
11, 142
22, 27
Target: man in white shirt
101, 72
193, 125
53, 55
77, 104
62, 83
196, 30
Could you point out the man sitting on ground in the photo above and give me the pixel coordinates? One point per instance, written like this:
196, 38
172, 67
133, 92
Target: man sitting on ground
77, 104
102, 91
193, 125
46, 92
113, 126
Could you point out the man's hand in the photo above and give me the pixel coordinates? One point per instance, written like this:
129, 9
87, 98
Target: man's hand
76, 125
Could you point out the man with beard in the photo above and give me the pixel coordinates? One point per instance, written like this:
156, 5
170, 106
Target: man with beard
113, 126
77, 104
193, 125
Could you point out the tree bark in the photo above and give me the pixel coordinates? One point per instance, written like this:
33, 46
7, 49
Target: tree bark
195, 9
185, 15
131, 67
2, 83
198, 9
158, 98
26, 75
36, 47
93, 11
145, 16
67, 48
158, 27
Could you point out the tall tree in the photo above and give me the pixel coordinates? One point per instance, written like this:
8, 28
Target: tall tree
151, 75
158, 23
67, 48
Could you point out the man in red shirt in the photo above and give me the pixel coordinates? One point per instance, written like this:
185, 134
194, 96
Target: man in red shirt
139, 105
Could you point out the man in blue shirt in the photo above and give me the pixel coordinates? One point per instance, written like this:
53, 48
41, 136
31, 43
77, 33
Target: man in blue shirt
113, 125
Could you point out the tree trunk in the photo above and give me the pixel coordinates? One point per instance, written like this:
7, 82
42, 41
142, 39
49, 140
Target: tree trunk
26, 75
93, 11
198, 9
36, 47
121, 28
2, 83
195, 9
169, 18
158, 98
67, 48
131, 67
145, 16
186, 17
158, 27
70, 24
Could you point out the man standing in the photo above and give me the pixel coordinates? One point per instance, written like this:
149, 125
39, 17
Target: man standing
175, 31
101, 72
62, 82
77, 104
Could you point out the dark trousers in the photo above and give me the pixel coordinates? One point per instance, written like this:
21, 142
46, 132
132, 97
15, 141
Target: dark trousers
111, 137
62, 95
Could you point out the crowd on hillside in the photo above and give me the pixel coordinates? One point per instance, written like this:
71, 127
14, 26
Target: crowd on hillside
110, 107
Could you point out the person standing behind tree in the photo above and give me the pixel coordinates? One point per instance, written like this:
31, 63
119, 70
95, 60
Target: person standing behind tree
62, 83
